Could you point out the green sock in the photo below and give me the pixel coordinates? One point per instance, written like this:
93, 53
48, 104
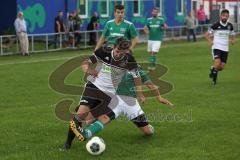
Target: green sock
151, 60
154, 60
93, 129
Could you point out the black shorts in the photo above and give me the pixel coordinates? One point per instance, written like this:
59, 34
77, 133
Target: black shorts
223, 55
96, 100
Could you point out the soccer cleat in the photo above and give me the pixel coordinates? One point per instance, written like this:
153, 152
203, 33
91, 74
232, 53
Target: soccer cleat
211, 73
214, 82
77, 129
65, 147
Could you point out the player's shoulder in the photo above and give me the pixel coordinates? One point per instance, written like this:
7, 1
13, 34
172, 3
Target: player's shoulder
230, 24
130, 57
102, 52
127, 22
150, 18
215, 25
110, 21
160, 18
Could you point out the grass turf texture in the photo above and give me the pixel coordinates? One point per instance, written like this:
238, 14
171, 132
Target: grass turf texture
31, 130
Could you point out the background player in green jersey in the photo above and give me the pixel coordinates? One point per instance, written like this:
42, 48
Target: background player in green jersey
118, 27
155, 28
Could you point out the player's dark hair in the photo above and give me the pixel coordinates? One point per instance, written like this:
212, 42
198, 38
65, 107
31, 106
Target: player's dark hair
225, 11
119, 7
123, 43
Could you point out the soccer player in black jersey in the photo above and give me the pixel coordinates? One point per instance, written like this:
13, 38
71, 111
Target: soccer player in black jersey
102, 84
219, 35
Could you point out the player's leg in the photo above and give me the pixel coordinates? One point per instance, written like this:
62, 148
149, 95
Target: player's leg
98, 102
216, 65
82, 110
142, 123
98, 125
109, 113
133, 111
224, 57
150, 58
155, 49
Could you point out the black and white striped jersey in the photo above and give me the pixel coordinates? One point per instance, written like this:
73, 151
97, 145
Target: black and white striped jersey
221, 33
111, 71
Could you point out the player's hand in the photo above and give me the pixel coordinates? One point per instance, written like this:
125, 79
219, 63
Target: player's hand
164, 101
141, 98
232, 42
92, 72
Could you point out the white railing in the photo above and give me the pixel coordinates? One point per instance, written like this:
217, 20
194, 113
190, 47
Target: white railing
59, 41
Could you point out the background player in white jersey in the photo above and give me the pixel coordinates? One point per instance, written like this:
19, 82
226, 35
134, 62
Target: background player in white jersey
218, 36
154, 27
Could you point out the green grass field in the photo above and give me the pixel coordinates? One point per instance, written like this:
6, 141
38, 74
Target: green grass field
209, 131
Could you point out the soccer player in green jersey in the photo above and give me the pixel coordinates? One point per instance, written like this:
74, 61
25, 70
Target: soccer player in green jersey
118, 27
155, 28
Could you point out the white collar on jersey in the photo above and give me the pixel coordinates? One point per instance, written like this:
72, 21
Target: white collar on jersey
224, 24
114, 58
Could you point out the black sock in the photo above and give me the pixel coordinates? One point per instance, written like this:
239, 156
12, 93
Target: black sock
70, 136
214, 73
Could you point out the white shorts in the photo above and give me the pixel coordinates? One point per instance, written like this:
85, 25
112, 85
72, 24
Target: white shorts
154, 46
129, 106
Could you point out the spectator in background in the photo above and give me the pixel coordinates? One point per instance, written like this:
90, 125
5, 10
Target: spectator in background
59, 28
77, 22
70, 30
93, 25
190, 25
201, 15
21, 31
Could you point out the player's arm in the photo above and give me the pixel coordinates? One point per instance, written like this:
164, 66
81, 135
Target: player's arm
209, 34
139, 90
138, 82
209, 38
232, 37
134, 41
86, 66
100, 42
145, 29
103, 38
165, 26
156, 93
134, 36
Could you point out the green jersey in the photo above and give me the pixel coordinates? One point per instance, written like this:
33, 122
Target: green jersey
112, 31
127, 85
155, 26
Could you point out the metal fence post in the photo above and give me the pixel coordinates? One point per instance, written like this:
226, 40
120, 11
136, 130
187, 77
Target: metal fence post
46, 42
1, 44
32, 39
60, 40
85, 41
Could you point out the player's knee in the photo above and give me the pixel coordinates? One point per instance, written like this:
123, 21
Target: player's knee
104, 119
148, 130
